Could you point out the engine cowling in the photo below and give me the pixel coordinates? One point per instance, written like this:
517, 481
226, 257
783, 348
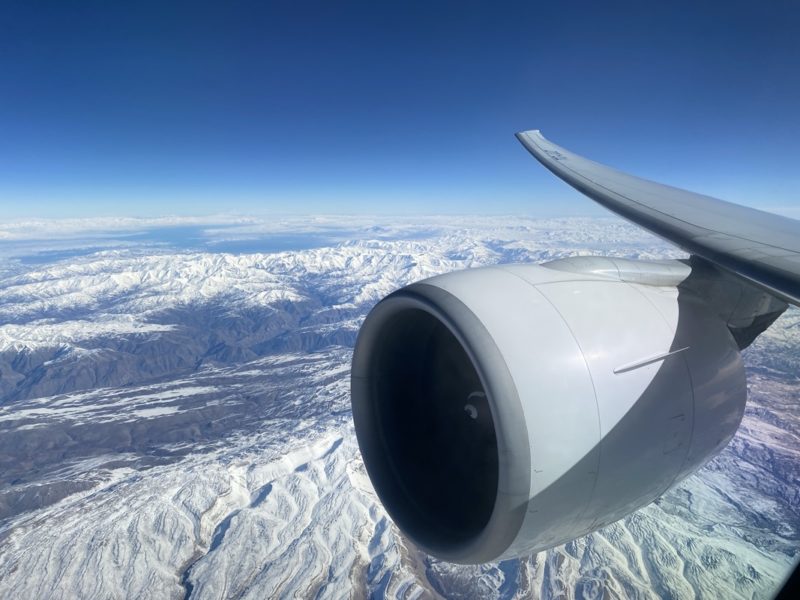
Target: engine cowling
505, 410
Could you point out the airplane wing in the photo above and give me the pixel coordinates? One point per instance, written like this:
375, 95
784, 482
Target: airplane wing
761, 247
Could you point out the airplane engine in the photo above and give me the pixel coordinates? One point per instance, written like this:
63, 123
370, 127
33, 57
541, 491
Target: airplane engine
505, 410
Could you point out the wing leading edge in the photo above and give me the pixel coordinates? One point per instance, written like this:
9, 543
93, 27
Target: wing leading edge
761, 247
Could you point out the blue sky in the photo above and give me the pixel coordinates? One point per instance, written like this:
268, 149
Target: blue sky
151, 108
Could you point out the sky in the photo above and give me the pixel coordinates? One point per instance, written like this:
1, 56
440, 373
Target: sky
185, 108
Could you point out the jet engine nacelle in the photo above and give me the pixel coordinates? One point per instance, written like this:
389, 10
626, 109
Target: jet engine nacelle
505, 410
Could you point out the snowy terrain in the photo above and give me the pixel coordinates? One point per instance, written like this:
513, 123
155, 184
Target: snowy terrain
174, 422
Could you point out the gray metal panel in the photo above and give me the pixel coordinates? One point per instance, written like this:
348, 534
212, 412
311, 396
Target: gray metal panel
761, 247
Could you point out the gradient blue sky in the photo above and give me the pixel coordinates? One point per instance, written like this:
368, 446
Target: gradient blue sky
151, 108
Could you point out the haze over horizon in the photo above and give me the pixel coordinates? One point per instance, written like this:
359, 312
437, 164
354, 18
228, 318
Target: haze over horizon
262, 108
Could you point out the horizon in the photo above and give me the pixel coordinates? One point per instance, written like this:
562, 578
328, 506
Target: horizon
49, 241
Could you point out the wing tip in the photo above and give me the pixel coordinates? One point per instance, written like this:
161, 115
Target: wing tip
531, 140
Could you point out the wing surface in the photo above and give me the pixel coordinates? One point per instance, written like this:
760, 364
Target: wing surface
761, 247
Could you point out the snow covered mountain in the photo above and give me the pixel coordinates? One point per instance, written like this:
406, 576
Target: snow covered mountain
175, 423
